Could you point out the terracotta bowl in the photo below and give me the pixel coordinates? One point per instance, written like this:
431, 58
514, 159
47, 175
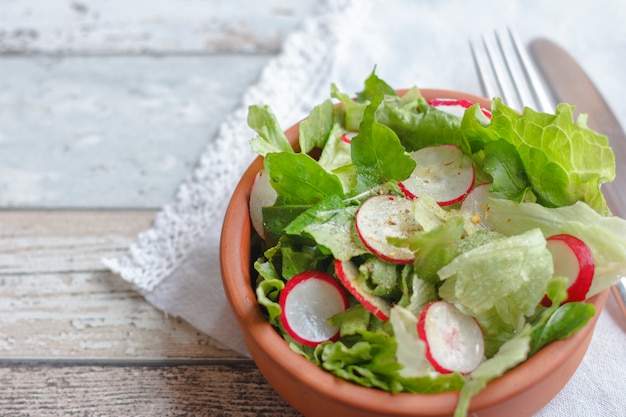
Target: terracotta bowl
316, 393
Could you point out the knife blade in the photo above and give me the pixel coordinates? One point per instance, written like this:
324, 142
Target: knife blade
570, 84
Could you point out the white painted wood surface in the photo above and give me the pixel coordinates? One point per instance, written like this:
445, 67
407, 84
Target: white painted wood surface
142, 26
110, 103
114, 131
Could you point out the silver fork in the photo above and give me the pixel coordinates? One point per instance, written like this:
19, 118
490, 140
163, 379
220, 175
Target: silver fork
505, 70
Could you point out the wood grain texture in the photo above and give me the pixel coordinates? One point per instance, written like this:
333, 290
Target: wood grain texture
57, 301
100, 26
117, 131
217, 390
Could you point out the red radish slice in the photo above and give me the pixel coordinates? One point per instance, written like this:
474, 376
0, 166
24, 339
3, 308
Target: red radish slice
308, 300
262, 195
348, 274
442, 172
476, 204
454, 341
454, 106
347, 137
572, 259
384, 216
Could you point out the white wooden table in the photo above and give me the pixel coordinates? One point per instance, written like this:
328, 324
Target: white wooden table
104, 109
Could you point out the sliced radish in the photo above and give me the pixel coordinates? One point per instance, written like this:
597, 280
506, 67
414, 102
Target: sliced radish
442, 172
308, 300
455, 106
454, 341
348, 274
476, 204
384, 216
572, 259
262, 195
347, 137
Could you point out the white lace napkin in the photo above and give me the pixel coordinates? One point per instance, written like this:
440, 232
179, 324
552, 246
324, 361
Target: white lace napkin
175, 264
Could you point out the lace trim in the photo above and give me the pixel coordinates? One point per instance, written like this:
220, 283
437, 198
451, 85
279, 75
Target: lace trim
291, 83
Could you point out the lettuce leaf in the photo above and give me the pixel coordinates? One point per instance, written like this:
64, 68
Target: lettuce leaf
509, 274
563, 160
331, 224
605, 236
420, 125
313, 132
353, 110
411, 351
271, 137
369, 362
374, 86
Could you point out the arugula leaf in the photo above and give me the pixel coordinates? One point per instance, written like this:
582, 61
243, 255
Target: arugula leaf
564, 322
299, 179
299, 258
271, 137
503, 163
375, 86
276, 218
377, 154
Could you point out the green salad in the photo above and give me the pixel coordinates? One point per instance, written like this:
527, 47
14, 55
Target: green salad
411, 249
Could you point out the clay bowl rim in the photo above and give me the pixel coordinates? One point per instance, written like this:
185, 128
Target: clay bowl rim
259, 334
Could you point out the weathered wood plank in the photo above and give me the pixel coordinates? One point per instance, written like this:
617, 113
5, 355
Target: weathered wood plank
92, 315
201, 390
100, 26
33, 242
58, 301
117, 131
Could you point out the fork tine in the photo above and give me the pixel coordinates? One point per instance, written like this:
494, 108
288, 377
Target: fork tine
524, 93
507, 71
489, 89
544, 103
501, 73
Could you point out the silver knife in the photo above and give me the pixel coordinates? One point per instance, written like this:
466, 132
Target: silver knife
570, 84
